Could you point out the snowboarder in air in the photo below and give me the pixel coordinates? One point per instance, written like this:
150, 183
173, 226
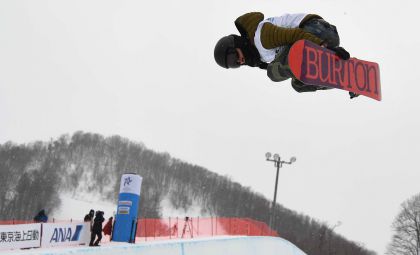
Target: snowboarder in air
265, 43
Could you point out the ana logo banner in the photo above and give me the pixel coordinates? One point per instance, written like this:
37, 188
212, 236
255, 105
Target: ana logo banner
55, 234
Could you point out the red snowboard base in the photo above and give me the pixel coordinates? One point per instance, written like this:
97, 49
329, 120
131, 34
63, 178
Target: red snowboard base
316, 65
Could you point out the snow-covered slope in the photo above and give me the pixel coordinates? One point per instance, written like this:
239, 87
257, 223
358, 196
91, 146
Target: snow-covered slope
213, 246
75, 206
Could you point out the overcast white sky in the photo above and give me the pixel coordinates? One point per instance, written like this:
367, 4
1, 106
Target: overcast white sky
145, 70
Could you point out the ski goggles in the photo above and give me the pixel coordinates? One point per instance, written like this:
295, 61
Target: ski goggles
232, 58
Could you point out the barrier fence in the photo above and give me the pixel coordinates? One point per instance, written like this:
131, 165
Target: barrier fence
172, 228
15, 222
146, 229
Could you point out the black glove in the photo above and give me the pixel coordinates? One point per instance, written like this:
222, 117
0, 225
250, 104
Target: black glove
353, 95
341, 53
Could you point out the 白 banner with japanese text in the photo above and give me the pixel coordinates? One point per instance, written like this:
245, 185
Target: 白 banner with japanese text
62, 234
20, 236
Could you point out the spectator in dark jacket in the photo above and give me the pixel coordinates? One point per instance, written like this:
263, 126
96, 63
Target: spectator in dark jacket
97, 229
41, 216
89, 216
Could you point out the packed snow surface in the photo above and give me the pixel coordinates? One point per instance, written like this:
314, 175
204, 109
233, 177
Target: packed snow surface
238, 245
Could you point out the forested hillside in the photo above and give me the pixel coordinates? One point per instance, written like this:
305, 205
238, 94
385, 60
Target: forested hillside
33, 175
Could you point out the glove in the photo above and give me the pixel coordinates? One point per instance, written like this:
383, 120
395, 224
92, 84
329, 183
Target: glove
341, 53
353, 95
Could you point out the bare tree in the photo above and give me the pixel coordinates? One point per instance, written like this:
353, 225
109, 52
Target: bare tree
406, 227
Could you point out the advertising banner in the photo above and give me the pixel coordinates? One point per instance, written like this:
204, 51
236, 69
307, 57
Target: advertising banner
20, 236
127, 210
62, 234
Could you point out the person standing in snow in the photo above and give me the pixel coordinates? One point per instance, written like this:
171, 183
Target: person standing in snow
41, 216
108, 226
265, 43
89, 218
97, 229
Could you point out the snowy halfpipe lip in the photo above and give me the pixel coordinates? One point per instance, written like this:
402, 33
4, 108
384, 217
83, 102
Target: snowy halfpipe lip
226, 245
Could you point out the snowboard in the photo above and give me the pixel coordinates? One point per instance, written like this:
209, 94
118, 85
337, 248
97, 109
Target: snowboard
319, 66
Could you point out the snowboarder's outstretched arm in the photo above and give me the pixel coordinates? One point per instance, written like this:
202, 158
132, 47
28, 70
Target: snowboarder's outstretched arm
273, 36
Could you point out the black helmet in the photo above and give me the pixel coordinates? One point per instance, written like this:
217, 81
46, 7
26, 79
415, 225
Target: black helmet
324, 31
225, 52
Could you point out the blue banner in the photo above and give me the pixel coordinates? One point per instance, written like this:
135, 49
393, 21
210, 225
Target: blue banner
127, 210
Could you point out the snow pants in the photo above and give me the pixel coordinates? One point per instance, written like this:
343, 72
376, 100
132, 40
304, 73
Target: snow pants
93, 236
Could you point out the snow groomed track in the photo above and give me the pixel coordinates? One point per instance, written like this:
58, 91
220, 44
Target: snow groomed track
240, 245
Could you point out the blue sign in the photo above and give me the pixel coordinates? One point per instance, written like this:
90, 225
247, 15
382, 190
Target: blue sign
127, 210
